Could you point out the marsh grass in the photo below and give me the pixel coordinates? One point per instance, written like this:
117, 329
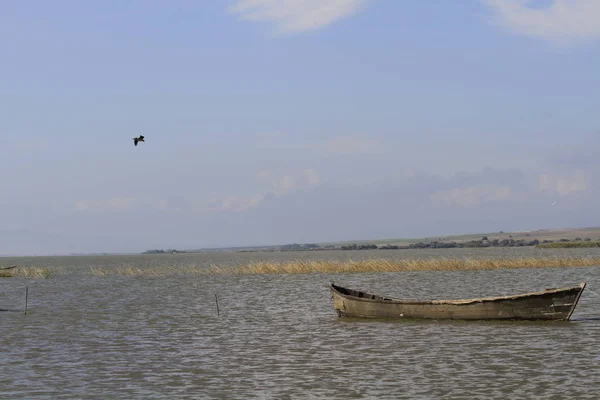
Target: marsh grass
417, 264
348, 266
568, 245
31, 272
149, 271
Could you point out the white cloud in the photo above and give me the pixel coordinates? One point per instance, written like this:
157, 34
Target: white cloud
82, 205
472, 195
281, 182
351, 145
120, 204
264, 173
271, 138
114, 204
236, 203
563, 185
311, 176
284, 184
562, 21
294, 16
162, 204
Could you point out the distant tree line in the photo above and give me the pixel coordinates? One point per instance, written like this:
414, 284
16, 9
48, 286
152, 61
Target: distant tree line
435, 244
161, 251
296, 247
483, 242
359, 247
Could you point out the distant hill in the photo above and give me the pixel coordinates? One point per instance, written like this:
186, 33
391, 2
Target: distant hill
513, 238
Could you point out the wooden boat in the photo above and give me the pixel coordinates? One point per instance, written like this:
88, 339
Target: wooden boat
549, 304
7, 272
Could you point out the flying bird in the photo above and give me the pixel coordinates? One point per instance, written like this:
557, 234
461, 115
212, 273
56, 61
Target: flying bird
554, 203
138, 139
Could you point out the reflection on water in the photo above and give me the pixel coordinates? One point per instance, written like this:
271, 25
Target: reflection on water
278, 337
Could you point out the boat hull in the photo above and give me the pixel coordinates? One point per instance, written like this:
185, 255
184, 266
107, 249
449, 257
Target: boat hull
550, 304
7, 272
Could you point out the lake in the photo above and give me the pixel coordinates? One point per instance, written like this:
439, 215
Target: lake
278, 337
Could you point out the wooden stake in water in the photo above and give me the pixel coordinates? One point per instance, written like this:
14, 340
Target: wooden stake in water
26, 297
217, 301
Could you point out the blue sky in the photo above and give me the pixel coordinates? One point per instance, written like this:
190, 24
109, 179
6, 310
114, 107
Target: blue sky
281, 121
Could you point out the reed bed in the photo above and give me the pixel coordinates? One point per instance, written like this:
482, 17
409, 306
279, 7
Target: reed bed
416, 264
31, 272
329, 266
150, 271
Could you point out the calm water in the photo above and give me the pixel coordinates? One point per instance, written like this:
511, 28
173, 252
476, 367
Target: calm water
277, 336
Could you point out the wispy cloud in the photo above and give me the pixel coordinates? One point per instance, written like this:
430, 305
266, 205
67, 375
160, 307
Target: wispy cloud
162, 204
230, 203
472, 195
564, 185
271, 138
264, 173
239, 203
350, 145
278, 184
294, 16
561, 22
283, 182
312, 176
114, 204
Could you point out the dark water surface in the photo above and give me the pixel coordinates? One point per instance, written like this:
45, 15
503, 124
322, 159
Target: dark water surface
277, 336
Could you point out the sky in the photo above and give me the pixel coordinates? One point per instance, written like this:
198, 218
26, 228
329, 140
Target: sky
293, 121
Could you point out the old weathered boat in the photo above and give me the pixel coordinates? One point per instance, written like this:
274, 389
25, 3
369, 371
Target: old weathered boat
7, 272
549, 304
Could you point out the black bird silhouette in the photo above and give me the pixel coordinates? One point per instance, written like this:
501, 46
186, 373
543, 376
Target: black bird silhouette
138, 139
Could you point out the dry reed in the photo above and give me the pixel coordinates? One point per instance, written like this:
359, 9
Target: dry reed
149, 271
32, 272
416, 264
348, 266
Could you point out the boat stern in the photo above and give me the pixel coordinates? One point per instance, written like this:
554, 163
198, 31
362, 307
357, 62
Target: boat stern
338, 302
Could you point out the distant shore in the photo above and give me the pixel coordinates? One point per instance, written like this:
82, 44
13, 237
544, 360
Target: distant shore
546, 244
543, 238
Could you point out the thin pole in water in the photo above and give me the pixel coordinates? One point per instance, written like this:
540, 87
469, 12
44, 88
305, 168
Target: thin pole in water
26, 297
217, 301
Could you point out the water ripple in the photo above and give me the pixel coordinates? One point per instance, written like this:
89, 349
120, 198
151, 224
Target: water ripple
278, 337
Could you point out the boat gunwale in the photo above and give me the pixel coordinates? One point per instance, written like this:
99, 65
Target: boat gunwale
391, 300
